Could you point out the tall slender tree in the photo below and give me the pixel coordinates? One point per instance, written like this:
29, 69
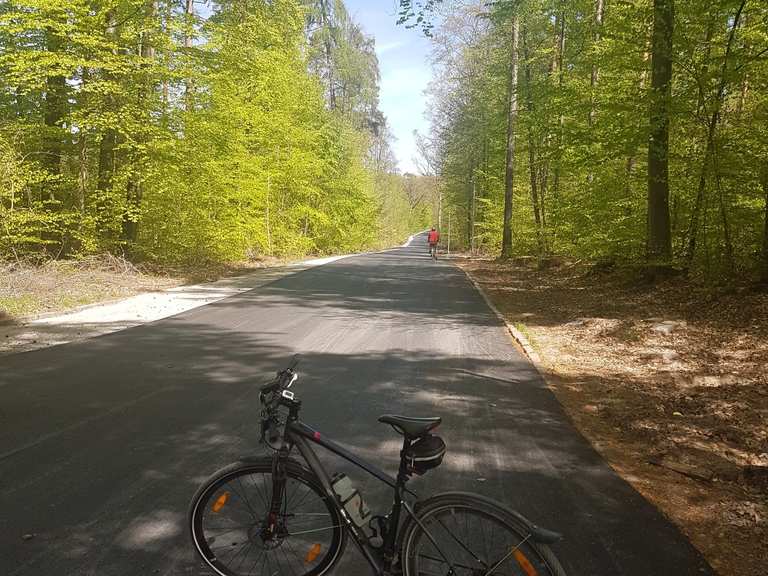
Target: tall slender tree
509, 162
659, 239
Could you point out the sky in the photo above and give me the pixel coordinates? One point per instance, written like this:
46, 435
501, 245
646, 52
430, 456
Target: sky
405, 72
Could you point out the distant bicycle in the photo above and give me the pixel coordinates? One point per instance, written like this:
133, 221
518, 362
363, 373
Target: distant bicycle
433, 251
285, 515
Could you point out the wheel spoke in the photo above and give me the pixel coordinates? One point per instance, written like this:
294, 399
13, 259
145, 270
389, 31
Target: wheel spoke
439, 559
287, 560
295, 554
261, 553
258, 492
471, 539
247, 502
231, 533
314, 530
460, 543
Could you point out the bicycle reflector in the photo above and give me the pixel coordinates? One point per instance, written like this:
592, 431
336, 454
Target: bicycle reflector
524, 563
313, 553
220, 501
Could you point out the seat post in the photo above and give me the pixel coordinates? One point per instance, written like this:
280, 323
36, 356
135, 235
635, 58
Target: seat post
394, 516
402, 472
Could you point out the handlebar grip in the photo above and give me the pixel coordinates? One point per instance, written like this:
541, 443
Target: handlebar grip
283, 378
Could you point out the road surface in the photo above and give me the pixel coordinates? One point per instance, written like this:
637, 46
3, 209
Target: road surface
103, 441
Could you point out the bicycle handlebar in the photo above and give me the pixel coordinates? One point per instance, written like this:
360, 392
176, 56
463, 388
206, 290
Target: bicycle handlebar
271, 398
284, 378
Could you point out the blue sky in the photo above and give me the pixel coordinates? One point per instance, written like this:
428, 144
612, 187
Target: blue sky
405, 73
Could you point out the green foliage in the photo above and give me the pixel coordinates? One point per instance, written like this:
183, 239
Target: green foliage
132, 126
583, 127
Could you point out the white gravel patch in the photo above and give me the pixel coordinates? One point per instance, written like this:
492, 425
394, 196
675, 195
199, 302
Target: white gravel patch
104, 318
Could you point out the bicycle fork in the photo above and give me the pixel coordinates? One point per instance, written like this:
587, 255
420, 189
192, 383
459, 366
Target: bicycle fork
272, 525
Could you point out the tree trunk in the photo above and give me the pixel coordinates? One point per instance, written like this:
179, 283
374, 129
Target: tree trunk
700, 100
509, 164
560, 81
631, 159
189, 85
599, 12
744, 88
723, 215
53, 116
107, 143
470, 205
532, 164
711, 134
134, 190
473, 215
659, 242
326, 27
693, 227
543, 183
82, 176
106, 160
764, 182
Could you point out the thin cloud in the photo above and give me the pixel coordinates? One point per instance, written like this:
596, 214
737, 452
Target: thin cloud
389, 46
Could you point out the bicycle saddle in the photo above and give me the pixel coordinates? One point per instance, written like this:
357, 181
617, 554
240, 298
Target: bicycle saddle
410, 426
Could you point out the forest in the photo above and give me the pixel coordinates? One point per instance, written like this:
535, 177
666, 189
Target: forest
184, 132
170, 131
615, 131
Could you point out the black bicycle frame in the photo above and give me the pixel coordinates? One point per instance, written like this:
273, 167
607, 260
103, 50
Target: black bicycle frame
300, 435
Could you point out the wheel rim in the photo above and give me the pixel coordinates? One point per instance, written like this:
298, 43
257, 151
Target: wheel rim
229, 527
475, 542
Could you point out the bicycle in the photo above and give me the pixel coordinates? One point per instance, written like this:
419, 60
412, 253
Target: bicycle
433, 251
278, 515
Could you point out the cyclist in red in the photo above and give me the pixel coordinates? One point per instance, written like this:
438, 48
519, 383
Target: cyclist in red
432, 239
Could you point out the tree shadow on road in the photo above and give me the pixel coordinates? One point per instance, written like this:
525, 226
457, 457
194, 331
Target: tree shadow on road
99, 463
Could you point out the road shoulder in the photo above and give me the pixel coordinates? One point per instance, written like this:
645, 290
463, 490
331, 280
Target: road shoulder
44, 330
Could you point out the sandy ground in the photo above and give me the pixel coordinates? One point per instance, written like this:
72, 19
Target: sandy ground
97, 319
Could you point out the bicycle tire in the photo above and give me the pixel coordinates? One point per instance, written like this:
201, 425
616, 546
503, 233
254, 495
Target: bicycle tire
211, 493
539, 557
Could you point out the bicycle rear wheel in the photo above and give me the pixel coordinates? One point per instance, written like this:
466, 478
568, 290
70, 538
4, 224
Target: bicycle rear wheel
227, 515
475, 535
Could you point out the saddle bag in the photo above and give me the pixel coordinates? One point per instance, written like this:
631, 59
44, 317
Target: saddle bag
424, 454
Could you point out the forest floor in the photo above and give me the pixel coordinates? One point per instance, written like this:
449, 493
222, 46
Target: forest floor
668, 380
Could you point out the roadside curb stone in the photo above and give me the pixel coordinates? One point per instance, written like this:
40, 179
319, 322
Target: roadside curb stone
517, 336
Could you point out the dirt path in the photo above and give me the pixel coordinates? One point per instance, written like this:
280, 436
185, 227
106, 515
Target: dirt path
669, 382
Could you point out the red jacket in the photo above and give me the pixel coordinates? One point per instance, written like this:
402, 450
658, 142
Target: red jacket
433, 237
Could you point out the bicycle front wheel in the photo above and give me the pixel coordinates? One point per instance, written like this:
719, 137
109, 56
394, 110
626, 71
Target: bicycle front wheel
477, 537
227, 518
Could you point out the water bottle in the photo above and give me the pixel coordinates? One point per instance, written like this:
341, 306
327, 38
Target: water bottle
352, 501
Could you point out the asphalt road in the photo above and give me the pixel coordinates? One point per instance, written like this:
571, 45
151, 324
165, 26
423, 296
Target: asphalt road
103, 441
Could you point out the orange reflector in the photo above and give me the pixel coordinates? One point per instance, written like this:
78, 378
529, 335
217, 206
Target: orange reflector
313, 553
220, 501
524, 564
